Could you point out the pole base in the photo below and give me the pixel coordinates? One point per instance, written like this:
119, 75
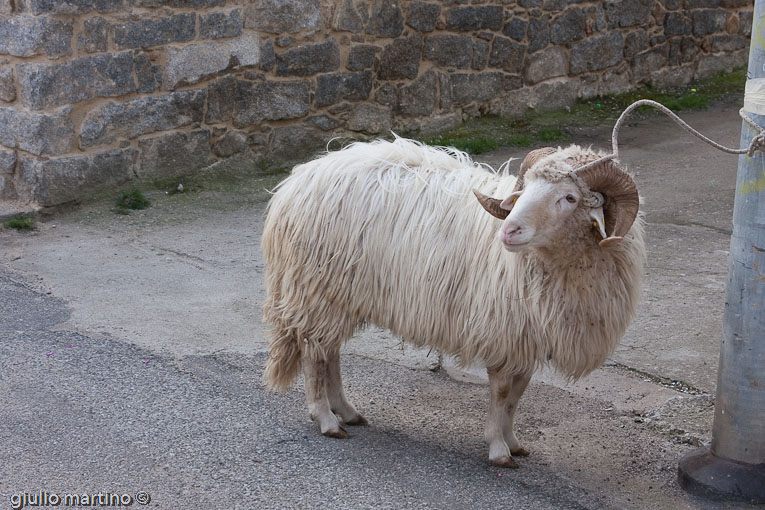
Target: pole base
704, 474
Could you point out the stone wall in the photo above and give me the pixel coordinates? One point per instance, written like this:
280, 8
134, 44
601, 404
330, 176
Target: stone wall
94, 93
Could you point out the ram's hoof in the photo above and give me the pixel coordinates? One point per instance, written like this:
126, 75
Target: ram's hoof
357, 420
520, 452
337, 433
505, 462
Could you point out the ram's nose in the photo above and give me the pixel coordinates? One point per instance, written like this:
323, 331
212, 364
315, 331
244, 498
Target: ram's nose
514, 236
509, 232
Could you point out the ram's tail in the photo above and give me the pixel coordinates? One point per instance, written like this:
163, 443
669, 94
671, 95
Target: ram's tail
284, 360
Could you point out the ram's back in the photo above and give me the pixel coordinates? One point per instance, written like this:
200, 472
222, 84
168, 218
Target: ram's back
386, 233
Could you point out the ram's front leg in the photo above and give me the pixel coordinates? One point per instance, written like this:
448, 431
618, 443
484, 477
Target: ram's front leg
505, 394
517, 387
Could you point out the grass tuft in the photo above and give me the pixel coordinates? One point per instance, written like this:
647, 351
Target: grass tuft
521, 140
549, 134
132, 199
21, 222
473, 145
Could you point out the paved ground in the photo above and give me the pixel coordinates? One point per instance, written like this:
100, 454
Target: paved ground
131, 350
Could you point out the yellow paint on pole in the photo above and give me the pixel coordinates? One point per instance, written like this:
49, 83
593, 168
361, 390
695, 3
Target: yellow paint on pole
752, 186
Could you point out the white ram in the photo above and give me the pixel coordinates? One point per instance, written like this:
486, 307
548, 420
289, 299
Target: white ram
389, 233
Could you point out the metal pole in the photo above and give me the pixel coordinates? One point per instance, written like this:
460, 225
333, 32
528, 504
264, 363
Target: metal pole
734, 465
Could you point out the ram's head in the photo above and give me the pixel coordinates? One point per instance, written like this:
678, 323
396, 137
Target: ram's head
552, 200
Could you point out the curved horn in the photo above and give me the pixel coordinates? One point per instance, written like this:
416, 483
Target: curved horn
622, 201
529, 161
491, 205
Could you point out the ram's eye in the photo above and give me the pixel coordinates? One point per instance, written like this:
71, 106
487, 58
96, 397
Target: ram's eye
571, 199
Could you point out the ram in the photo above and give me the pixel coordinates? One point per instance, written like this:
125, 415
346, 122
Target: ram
390, 233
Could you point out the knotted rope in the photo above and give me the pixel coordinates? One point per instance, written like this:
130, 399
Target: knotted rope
757, 143
590, 198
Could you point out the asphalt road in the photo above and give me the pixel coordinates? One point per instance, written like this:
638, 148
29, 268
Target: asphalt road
88, 415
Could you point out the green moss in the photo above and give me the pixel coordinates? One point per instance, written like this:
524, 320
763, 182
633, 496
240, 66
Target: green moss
21, 222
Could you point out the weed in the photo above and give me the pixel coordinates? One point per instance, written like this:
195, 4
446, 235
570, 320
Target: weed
21, 222
478, 145
520, 140
549, 134
473, 144
132, 199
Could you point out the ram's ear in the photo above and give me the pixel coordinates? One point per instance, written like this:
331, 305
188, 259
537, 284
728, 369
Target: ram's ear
599, 221
508, 203
492, 205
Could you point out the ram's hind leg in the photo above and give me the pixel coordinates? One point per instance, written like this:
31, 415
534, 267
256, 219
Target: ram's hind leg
505, 394
315, 369
337, 399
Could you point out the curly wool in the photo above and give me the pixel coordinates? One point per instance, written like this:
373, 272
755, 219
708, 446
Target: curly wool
562, 164
389, 233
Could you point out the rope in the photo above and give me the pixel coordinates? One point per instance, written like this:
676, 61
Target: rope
590, 198
757, 143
